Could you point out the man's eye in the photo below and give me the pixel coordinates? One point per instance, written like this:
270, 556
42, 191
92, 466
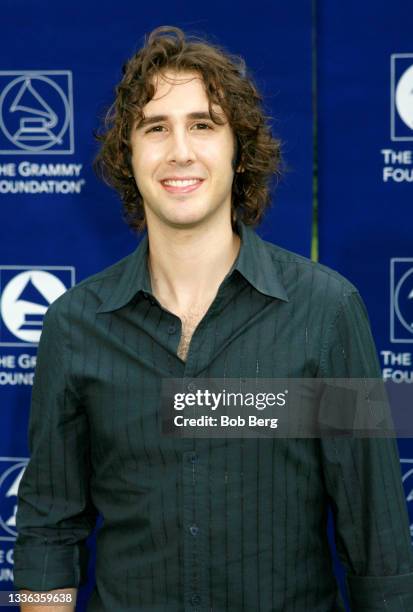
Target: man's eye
203, 126
155, 128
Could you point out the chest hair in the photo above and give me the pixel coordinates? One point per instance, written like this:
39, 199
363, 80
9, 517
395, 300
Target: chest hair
190, 321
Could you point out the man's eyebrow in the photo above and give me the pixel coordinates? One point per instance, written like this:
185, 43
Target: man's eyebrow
159, 118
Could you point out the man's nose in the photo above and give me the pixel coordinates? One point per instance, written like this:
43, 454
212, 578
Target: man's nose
181, 150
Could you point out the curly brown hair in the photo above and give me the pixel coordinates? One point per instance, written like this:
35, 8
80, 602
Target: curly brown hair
257, 153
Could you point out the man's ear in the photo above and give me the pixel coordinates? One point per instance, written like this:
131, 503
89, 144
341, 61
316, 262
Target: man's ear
237, 165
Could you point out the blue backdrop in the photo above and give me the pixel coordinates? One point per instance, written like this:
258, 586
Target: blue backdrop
365, 156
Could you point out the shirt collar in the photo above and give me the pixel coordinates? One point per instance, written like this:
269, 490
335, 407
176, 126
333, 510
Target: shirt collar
254, 262
134, 278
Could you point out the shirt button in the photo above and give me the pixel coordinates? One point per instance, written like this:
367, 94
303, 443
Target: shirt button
171, 329
191, 387
196, 599
194, 529
193, 458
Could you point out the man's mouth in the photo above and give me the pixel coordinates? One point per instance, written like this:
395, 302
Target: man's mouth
182, 185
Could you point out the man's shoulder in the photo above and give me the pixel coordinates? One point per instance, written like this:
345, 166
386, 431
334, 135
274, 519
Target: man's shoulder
109, 274
91, 292
301, 274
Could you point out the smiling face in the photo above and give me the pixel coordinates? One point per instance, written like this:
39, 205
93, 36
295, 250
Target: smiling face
181, 159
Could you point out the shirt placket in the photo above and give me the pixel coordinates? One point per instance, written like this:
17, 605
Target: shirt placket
196, 526
196, 478
195, 466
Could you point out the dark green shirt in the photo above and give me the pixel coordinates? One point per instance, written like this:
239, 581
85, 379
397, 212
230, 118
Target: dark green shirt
206, 524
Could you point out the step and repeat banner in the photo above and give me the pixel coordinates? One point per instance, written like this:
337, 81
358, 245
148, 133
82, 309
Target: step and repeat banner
59, 65
365, 158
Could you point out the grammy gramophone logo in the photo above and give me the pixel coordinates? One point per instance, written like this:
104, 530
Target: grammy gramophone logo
25, 295
36, 112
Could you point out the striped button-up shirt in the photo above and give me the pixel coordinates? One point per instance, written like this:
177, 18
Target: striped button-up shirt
206, 524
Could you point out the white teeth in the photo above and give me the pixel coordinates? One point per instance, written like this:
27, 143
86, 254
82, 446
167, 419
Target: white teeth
181, 183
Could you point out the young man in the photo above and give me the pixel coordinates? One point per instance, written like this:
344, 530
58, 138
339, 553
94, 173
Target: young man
202, 524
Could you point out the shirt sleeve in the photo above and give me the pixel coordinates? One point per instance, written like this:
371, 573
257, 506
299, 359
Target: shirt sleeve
55, 513
363, 481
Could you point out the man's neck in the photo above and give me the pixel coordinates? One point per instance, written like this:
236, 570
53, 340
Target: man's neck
187, 266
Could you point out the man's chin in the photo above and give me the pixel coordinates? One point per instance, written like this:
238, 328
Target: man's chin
184, 219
